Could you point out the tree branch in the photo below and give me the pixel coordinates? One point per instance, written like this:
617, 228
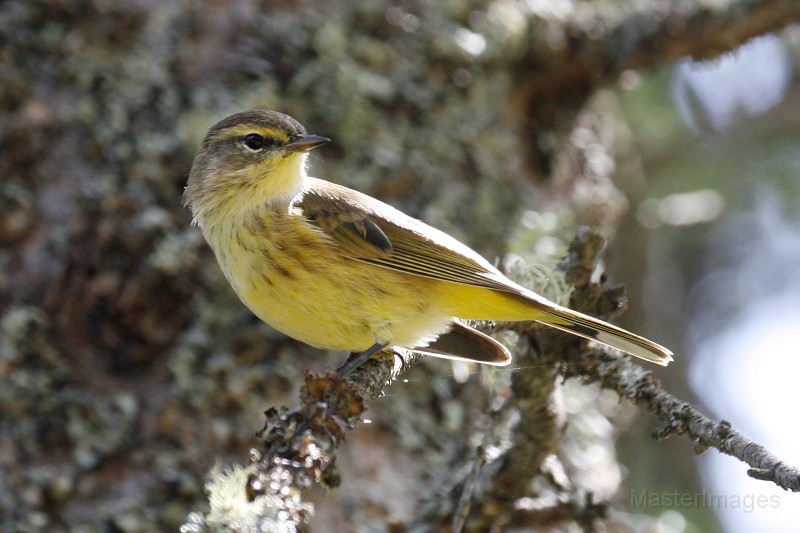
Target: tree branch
629, 380
299, 451
590, 52
632, 382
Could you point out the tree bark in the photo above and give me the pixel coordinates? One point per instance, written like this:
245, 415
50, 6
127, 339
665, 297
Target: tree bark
128, 368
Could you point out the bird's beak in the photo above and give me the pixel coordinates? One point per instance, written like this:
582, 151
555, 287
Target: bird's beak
304, 143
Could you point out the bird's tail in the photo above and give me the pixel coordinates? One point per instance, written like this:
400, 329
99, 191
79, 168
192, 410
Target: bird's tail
464, 343
605, 333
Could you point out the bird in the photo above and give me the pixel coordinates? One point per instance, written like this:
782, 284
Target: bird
338, 269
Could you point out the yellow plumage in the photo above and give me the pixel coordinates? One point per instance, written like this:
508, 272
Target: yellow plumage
338, 269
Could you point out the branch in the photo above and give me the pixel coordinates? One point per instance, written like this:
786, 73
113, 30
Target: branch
299, 450
305, 440
702, 30
537, 436
562, 69
561, 355
629, 380
594, 50
632, 382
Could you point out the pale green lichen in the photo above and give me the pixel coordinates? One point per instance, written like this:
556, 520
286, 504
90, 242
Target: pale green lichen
232, 511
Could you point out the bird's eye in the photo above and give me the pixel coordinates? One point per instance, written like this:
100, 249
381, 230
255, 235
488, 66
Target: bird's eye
254, 141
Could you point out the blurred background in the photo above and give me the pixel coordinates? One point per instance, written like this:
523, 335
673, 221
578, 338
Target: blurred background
718, 142
128, 369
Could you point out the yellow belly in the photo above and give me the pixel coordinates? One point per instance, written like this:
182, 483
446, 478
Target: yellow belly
294, 278
349, 310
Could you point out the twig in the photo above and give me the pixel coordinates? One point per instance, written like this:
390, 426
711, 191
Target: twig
301, 444
631, 381
465, 499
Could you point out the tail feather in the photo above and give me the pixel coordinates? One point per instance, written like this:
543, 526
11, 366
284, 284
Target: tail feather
605, 333
464, 343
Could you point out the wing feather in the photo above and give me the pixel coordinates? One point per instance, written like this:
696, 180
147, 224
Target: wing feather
369, 230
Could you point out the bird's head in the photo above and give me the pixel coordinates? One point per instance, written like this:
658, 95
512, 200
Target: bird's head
248, 158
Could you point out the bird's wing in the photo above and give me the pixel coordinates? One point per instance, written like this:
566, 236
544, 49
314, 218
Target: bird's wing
352, 229
369, 230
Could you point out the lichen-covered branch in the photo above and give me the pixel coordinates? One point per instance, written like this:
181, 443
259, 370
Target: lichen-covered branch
302, 442
632, 382
299, 451
591, 51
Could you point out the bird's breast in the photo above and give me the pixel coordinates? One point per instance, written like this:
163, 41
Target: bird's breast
295, 278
